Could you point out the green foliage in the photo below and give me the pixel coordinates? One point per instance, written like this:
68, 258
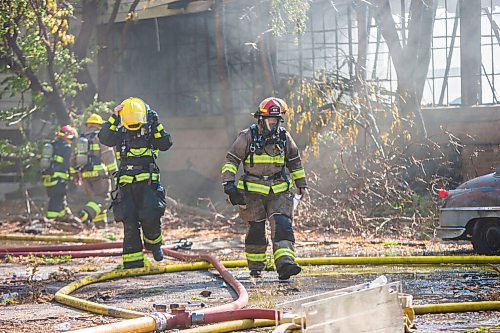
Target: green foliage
99, 107
25, 154
36, 52
289, 15
39, 66
66, 77
9, 259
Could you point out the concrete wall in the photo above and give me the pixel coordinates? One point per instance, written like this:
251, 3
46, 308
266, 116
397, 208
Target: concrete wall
191, 168
476, 127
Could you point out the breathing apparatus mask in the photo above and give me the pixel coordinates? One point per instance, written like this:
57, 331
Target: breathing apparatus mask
270, 126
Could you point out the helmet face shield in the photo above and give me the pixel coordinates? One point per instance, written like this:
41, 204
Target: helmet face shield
133, 114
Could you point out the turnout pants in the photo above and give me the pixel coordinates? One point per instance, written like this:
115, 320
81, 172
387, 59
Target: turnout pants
139, 205
278, 209
58, 207
98, 189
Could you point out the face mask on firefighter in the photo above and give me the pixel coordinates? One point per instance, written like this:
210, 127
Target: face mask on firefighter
270, 125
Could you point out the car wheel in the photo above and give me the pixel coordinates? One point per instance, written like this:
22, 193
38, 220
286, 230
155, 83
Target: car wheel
486, 237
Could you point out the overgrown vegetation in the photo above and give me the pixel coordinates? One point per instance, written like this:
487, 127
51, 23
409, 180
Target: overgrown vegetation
372, 176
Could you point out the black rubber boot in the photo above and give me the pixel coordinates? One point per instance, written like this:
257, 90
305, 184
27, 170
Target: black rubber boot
255, 274
100, 225
158, 254
288, 270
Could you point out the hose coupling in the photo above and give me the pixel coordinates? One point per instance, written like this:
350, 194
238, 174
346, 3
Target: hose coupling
197, 318
161, 320
160, 307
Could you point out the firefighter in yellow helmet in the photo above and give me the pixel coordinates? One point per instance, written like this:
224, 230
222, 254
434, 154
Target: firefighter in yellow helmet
95, 164
55, 167
272, 166
139, 199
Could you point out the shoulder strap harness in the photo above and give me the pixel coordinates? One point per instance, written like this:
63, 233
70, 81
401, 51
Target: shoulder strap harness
257, 147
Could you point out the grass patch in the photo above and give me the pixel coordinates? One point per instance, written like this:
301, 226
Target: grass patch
56, 260
111, 236
390, 243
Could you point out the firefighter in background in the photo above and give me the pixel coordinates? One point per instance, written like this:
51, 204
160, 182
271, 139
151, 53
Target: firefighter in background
55, 165
139, 198
95, 164
263, 192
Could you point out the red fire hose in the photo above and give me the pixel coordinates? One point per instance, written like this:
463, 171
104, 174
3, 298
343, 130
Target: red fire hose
47, 248
225, 312
77, 251
73, 254
217, 317
242, 299
182, 318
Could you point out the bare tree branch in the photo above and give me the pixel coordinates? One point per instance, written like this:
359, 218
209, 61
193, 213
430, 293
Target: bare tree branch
23, 116
35, 83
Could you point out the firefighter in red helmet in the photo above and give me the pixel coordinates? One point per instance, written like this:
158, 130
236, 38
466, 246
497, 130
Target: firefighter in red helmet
272, 166
55, 167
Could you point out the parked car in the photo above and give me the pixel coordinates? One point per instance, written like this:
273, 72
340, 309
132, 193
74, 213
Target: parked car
472, 212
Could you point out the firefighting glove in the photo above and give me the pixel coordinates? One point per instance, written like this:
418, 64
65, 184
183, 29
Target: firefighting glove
235, 195
153, 117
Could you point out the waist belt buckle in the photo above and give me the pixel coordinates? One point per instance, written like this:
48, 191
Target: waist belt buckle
266, 177
129, 167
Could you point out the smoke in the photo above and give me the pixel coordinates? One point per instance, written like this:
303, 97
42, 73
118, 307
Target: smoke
172, 63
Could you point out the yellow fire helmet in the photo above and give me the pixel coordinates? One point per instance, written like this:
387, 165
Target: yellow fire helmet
94, 119
133, 114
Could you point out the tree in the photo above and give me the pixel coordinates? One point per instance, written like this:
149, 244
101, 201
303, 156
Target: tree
411, 61
39, 56
36, 56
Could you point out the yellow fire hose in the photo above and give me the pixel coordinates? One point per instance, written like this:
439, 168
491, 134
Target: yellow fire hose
407, 260
137, 325
230, 326
457, 307
147, 324
53, 238
62, 295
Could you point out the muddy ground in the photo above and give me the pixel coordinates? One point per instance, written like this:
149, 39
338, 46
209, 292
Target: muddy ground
34, 310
